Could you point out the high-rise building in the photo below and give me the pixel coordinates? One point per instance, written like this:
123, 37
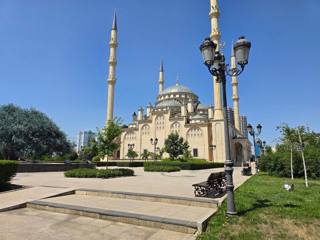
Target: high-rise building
84, 139
243, 126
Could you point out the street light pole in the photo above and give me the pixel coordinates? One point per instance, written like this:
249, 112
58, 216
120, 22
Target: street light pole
255, 134
215, 61
154, 143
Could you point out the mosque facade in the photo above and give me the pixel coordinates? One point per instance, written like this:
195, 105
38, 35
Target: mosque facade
178, 109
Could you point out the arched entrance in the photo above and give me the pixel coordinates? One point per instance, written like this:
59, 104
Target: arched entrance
239, 154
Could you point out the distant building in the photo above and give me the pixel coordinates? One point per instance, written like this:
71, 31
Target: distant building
243, 126
84, 139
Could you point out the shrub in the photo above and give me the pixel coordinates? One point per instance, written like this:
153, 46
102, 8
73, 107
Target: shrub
97, 173
188, 165
130, 164
161, 168
8, 170
195, 164
96, 159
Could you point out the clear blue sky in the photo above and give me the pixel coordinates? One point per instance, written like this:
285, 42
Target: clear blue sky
54, 57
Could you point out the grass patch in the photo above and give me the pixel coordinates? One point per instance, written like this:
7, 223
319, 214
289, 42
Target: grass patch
266, 211
99, 173
159, 168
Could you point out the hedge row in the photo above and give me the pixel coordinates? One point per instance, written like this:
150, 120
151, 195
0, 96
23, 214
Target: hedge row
159, 168
188, 165
99, 173
8, 170
130, 164
103, 164
120, 164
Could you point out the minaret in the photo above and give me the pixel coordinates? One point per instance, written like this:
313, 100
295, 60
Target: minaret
235, 96
215, 37
112, 68
161, 78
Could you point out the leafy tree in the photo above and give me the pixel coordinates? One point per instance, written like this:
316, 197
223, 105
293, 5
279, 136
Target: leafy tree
175, 145
132, 154
145, 155
90, 151
108, 139
289, 139
305, 160
29, 134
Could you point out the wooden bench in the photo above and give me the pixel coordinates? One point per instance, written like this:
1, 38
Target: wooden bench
215, 182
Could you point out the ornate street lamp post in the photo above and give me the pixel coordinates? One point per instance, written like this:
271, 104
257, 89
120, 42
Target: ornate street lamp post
215, 61
255, 134
154, 143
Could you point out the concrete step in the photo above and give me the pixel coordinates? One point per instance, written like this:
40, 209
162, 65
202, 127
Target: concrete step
156, 214
188, 201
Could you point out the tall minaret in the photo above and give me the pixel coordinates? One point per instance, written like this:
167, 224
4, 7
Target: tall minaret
235, 96
112, 68
215, 37
161, 78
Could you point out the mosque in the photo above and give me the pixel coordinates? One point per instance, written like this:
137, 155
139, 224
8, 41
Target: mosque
178, 109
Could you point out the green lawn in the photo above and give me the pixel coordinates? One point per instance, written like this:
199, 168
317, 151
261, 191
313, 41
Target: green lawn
266, 211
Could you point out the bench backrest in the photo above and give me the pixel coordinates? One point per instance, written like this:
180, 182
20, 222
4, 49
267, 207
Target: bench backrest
214, 176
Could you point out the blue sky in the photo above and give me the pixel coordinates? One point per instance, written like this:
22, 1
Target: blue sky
54, 57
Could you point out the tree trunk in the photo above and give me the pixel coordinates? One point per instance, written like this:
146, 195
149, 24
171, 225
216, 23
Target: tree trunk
291, 164
305, 169
303, 160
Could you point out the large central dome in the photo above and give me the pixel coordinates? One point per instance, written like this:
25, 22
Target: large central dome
177, 89
176, 96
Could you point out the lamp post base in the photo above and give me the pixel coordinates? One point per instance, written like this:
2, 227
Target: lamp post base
232, 214
231, 210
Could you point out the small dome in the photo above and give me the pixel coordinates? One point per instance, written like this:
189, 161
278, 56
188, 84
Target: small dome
200, 117
201, 106
169, 103
177, 89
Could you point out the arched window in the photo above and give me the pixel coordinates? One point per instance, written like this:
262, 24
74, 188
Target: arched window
130, 136
194, 133
160, 123
175, 127
145, 130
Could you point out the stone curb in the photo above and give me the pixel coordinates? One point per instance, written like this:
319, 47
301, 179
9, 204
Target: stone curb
119, 216
188, 201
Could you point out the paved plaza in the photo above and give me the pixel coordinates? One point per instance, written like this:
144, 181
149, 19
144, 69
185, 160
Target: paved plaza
39, 224
173, 184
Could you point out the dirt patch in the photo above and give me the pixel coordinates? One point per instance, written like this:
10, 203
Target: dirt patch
289, 229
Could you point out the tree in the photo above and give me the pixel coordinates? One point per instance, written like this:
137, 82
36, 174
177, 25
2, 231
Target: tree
303, 161
90, 151
289, 139
132, 154
145, 155
108, 139
29, 134
301, 130
175, 145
